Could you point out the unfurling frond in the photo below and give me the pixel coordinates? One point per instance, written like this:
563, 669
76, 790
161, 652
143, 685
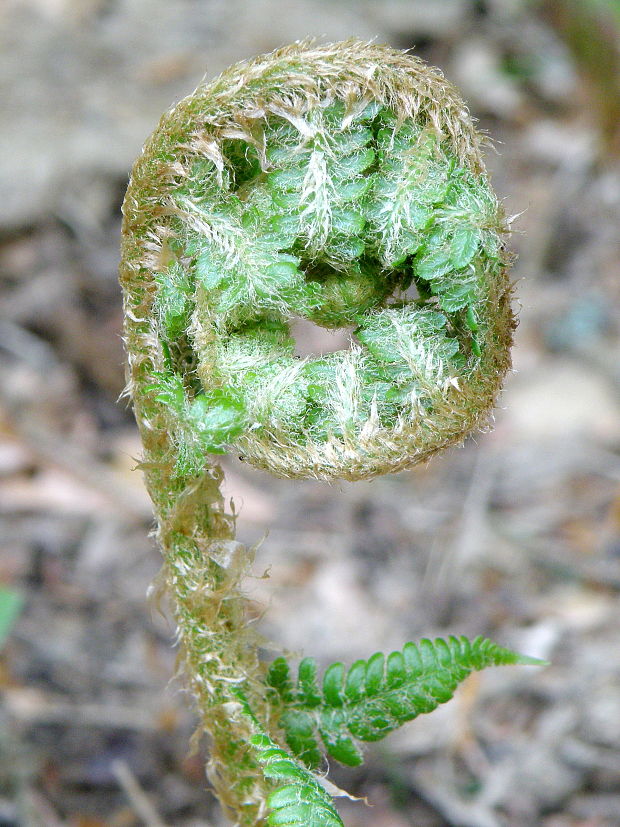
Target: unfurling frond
342, 184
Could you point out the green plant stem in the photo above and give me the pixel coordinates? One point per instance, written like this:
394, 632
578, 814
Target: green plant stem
203, 567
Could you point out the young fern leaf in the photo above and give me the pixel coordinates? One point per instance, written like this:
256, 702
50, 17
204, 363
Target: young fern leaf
301, 801
376, 696
319, 181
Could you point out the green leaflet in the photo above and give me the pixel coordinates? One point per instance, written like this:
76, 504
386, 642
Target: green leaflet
392, 336
412, 352
374, 697
202, 425
299, 800
319, 179
216, 417
414, 179
173, 304
300, 728
256, 277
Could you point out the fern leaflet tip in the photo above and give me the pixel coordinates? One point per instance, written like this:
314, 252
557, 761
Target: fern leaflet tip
374, 697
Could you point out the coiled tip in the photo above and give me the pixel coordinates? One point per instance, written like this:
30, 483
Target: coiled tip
340, 183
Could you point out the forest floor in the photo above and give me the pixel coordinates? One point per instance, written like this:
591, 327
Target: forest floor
515, 535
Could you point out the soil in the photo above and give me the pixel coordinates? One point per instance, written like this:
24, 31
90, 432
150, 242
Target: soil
514, 536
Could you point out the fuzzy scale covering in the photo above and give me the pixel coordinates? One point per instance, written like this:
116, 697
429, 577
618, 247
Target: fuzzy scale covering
342, 184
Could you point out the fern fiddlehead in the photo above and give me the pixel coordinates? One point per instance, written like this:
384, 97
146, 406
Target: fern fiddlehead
342, 184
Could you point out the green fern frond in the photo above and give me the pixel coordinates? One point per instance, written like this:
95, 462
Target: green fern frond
205, 424
320, 182
301, 801
376, 696
173, 304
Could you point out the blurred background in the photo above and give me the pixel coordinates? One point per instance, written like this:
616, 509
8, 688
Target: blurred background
514, 536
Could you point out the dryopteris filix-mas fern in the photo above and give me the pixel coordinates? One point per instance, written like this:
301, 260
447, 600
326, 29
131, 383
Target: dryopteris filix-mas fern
341, 184
374, 697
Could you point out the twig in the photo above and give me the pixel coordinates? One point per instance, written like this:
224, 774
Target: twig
136, 795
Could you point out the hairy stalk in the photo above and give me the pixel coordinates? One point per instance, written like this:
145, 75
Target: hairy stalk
342, 184
203, 565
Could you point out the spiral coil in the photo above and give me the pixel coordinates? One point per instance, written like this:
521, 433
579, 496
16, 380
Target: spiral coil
341, 184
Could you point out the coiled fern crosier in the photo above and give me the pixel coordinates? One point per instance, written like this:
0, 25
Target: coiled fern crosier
342, 184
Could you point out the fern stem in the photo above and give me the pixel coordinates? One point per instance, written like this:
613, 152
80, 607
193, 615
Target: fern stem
203, 567
321, 182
